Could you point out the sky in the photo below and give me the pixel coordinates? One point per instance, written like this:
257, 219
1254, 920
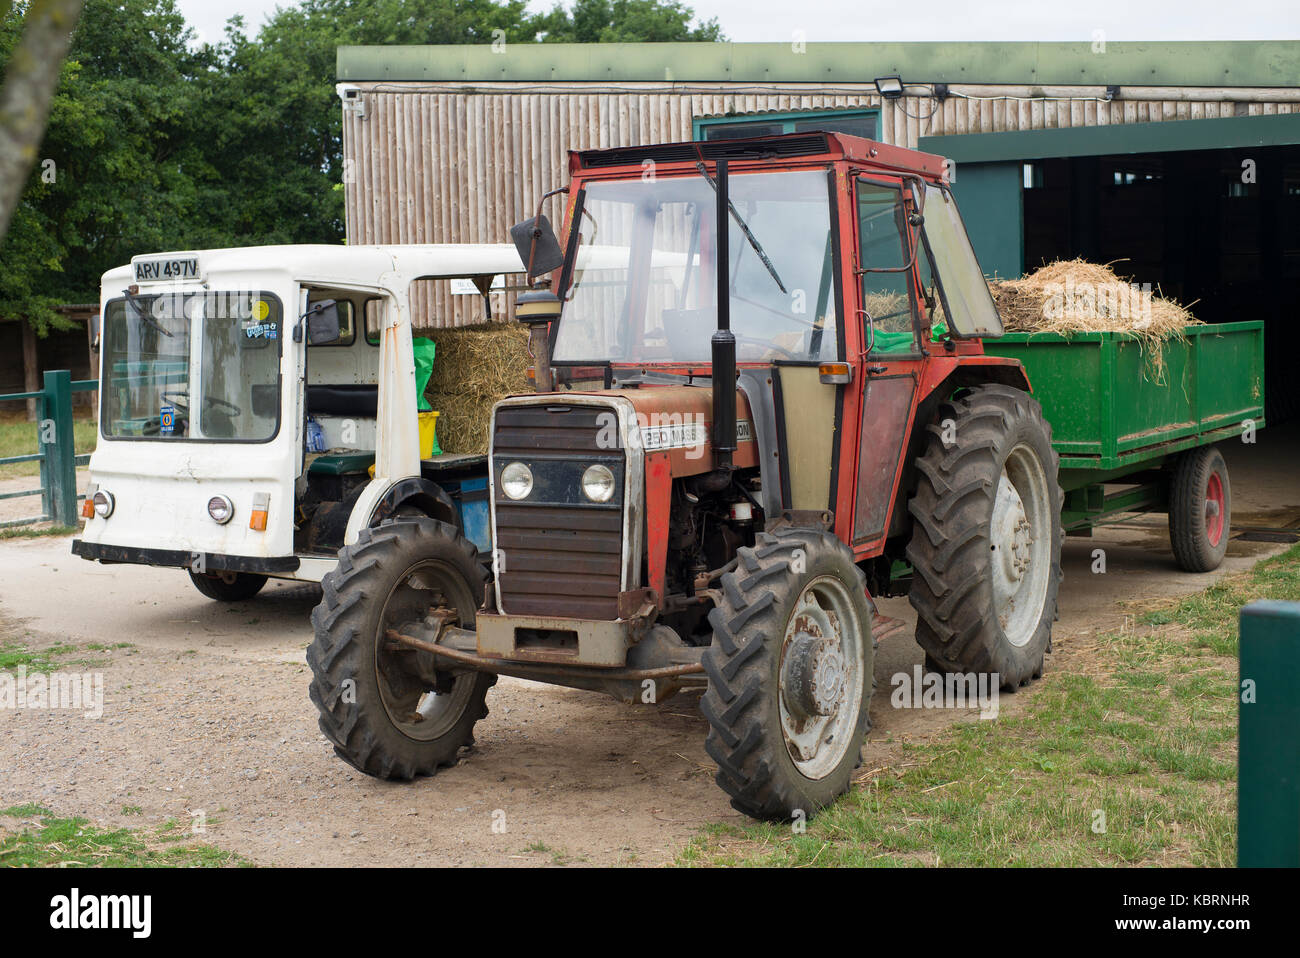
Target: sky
864, 20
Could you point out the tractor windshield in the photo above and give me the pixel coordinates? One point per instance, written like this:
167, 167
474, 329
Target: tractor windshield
644, 283
192, 366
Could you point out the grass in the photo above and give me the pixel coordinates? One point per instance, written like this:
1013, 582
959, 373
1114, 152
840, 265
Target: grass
1125, 755
44, 840
28, 532
18, 438
13, 654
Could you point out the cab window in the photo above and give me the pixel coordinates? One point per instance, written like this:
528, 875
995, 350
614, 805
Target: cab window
962, 289
347, 320
887, 307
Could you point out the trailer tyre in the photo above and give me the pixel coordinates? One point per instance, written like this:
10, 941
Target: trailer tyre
389, 711
986, 539
1200, 509
228, 586
790, 675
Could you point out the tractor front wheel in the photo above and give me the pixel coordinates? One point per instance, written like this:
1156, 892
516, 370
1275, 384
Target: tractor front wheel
389, 710
790, 675
228, 586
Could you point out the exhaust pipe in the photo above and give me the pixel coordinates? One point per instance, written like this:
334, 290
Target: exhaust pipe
724, 341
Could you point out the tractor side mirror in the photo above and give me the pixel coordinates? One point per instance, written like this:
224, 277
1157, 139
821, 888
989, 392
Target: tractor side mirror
538, 247
323, 325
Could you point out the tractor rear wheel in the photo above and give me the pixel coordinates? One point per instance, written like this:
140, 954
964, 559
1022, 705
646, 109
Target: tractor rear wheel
1200, 509
790, 675
389, 710
228, 586
986, 542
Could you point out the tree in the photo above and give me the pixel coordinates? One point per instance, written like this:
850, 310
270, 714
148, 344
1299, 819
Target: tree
123, 160
624, 21
155, 143
31, 74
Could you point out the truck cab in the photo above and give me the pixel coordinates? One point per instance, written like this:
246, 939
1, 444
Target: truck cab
258, 407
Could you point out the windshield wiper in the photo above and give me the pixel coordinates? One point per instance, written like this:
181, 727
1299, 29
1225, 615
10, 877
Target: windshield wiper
744, 228
140, 313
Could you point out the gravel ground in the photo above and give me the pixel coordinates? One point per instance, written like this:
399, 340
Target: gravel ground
206, 710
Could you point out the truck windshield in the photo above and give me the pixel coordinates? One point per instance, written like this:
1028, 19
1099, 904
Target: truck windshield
644, 281
192, 366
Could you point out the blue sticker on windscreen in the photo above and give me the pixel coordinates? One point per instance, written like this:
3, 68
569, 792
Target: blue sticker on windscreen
167, 420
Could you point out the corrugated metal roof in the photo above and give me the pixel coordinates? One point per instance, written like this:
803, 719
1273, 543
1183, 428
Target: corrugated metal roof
1229, 63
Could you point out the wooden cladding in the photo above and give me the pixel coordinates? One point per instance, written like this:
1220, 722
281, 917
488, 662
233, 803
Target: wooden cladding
426, 163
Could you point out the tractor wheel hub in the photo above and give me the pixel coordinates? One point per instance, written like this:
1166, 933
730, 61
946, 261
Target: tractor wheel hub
1012, 534
813, 675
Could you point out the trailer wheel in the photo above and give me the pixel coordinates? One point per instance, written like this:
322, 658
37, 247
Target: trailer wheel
228, 586
790, 675
390, 711
1200, 509
986, 539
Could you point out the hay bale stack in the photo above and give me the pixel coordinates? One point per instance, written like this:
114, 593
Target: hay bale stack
1075, 296
474, 367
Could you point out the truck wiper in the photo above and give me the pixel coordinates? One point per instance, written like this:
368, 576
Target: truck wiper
744, 228
139, 312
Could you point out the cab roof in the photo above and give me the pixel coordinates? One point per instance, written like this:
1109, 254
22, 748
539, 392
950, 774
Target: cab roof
790, 146
345, 265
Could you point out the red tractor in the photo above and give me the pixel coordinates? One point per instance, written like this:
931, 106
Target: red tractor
761, 399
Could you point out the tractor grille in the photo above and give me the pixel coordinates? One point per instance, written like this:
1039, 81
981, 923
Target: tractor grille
562, 555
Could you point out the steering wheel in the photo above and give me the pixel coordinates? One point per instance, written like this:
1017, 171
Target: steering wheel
184, 400
775, 312
766, 344
214, 401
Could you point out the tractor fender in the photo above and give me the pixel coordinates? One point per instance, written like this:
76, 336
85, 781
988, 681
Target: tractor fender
946, 376
416, 494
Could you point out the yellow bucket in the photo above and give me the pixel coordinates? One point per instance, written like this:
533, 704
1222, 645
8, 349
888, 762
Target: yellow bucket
429, 435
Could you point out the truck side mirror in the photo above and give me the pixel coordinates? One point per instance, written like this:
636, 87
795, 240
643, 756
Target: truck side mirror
322, 324
538, 247
94, 332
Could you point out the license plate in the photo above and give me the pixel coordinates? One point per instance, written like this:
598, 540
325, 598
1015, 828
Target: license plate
151, 270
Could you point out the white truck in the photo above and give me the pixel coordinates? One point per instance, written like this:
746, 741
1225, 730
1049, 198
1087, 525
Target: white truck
220, 368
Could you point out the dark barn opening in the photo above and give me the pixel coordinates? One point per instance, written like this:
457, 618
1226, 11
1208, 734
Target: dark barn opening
1218, 230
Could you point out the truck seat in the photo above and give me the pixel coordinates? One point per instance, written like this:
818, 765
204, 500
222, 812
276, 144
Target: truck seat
361, 401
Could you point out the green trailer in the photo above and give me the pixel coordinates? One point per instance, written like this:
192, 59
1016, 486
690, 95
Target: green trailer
1129, 443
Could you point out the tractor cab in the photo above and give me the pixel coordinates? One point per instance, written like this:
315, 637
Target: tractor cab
840, 291
258, 407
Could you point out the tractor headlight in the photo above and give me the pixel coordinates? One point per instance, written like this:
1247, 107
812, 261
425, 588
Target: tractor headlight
221, 509
516, 480
104, 503
598, 483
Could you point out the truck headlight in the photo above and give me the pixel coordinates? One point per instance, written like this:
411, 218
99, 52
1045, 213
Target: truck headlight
598, 483
221, 509
104, 503
516, 480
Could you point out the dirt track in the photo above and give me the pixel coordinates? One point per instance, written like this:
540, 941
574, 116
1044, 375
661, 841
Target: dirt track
208, 710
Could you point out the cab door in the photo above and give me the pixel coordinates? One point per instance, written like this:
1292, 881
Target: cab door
888, 316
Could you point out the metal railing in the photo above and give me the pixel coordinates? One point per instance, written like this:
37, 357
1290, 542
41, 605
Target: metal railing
56, 451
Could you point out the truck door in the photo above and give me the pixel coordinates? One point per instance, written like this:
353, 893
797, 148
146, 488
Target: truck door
887, 314
297, 410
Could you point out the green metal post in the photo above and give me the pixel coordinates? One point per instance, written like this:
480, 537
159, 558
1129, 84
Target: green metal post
1268, 760
59, 446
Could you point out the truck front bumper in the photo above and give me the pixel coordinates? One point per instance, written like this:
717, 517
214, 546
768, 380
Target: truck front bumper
177, 558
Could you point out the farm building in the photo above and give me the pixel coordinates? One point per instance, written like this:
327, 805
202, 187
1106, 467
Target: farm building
1180, 160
